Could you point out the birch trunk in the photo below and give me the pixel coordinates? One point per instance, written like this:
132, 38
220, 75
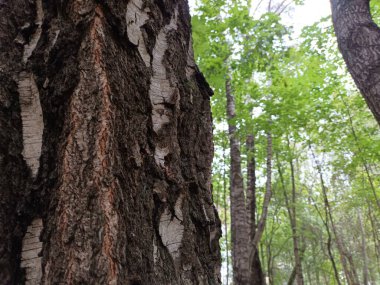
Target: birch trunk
107, 139
240, 231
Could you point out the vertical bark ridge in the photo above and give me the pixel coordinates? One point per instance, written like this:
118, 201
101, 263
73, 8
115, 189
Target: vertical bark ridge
104, 147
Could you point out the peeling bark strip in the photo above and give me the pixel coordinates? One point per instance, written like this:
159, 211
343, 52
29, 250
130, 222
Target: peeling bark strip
30, 256
32, 120
171, 229
161, 92
359, 42
31, 112
136, 18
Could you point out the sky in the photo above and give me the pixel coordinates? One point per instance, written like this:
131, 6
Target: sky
304, 15
310, 12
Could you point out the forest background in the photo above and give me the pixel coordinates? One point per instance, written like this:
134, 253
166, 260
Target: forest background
291, 129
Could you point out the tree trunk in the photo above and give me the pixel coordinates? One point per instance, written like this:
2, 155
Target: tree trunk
293, 222
226, 226
240, 232
268, 193
251, 183
107, 139
257, 275
256, 271
291, 209
317, 268
269, 274
375, 236
325, 222
345, 256
359, 42
363, 249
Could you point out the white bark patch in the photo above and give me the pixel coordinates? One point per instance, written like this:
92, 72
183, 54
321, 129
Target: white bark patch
32, 120
155, 252
159, 155
135, 18
29, 48
161, 92
31, 111
171, 229
31, 248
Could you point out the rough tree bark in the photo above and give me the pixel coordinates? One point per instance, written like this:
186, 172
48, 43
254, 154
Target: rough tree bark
251, 183
240, 231
359, 42
257, 275
105, 146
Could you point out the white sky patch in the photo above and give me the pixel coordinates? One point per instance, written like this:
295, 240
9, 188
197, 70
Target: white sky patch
192, 4
301, 16
307, 14
297, 16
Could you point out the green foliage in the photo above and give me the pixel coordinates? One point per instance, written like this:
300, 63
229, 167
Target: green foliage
302, 94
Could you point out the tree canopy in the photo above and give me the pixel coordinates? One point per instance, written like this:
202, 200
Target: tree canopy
326, 142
